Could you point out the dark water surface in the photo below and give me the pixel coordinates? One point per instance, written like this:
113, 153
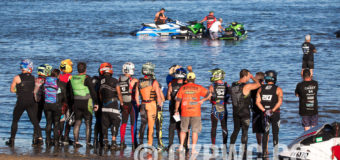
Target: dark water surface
96, 31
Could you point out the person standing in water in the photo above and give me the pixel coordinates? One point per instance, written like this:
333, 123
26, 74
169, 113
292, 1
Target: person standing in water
308, 50
269, 100
23, 85
307, 91
241, 100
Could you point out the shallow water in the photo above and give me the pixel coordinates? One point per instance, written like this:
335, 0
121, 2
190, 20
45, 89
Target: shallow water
96, 31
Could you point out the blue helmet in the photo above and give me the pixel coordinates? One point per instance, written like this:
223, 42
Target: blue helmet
180, 73
26, 65
270, 76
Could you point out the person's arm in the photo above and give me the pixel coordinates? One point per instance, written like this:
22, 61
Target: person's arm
211, 90
279, 94
93, 92
206, 95
155, 86
16, 80
178, 101
156, 16
204, 19
119, 93
251, 86
137, 94
258, 100
169, 91
314, 49
63, 92
220, 28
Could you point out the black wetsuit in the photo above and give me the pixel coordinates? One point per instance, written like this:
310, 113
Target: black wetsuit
241, 114
25, 102
219, 111
110, 110
257, 114
269, 99
173, 124
98, 135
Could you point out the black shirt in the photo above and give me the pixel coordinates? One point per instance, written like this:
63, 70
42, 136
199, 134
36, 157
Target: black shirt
308, 51
307, 92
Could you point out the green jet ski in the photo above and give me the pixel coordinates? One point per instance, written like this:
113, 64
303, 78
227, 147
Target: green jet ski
194, 30
235, 31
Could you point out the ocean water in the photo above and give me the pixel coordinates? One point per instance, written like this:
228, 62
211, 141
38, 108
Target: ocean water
98, 31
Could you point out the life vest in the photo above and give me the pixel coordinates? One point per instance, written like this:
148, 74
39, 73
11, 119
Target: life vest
159, 20
240, 101
108, 90
65, 77
51, 89
210, 20
218, 97
126, 88
268, 96
146, 89
25, 88
80, 91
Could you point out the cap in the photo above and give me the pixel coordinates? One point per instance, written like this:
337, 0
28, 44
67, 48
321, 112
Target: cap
191, 75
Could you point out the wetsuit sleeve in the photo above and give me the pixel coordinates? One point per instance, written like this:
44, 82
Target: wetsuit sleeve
70, 99
93, 92
63, 95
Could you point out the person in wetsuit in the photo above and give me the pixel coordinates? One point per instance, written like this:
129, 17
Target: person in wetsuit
23, 85
55, 96
149, 90
83, 93
128, 85
268, 100
241, 100
109, 93
160, 18
219, 99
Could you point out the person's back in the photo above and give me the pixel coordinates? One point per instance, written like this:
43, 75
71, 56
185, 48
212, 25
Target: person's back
241, 101
308, 103
308, 50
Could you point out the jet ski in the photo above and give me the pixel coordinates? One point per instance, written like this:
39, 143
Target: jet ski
315, 144
170, 28
235, 31
194, 30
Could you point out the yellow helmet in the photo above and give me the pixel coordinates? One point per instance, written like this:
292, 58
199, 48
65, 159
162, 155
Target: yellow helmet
66, 66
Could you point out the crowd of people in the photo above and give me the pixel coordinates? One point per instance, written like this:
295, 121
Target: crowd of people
67, 100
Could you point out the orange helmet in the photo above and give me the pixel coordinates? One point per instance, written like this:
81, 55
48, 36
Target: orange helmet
105, 67
66, 66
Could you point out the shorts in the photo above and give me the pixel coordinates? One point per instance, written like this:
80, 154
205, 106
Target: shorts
257, 123
194, 122
308, 121
213, 35
307, 64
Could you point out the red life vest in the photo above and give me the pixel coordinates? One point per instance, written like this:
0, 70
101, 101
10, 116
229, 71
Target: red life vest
210, 20
65, 77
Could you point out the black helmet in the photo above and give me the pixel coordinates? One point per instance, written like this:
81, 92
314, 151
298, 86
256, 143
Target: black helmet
270, 76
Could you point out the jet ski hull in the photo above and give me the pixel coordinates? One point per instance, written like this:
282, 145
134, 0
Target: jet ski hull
315, 144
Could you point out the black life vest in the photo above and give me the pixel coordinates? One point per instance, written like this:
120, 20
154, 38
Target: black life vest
107, 89
175, 88
218, 98
25, 89
240, 102
268, 96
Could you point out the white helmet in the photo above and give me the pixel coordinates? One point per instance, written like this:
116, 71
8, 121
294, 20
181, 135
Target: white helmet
128, 68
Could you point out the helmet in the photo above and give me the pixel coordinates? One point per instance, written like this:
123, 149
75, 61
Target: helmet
270, 76
217, 74
180, 73
148, 69
66, 66
26, 65
44, 70
128, 68
105, 68
173, 69
191, 76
